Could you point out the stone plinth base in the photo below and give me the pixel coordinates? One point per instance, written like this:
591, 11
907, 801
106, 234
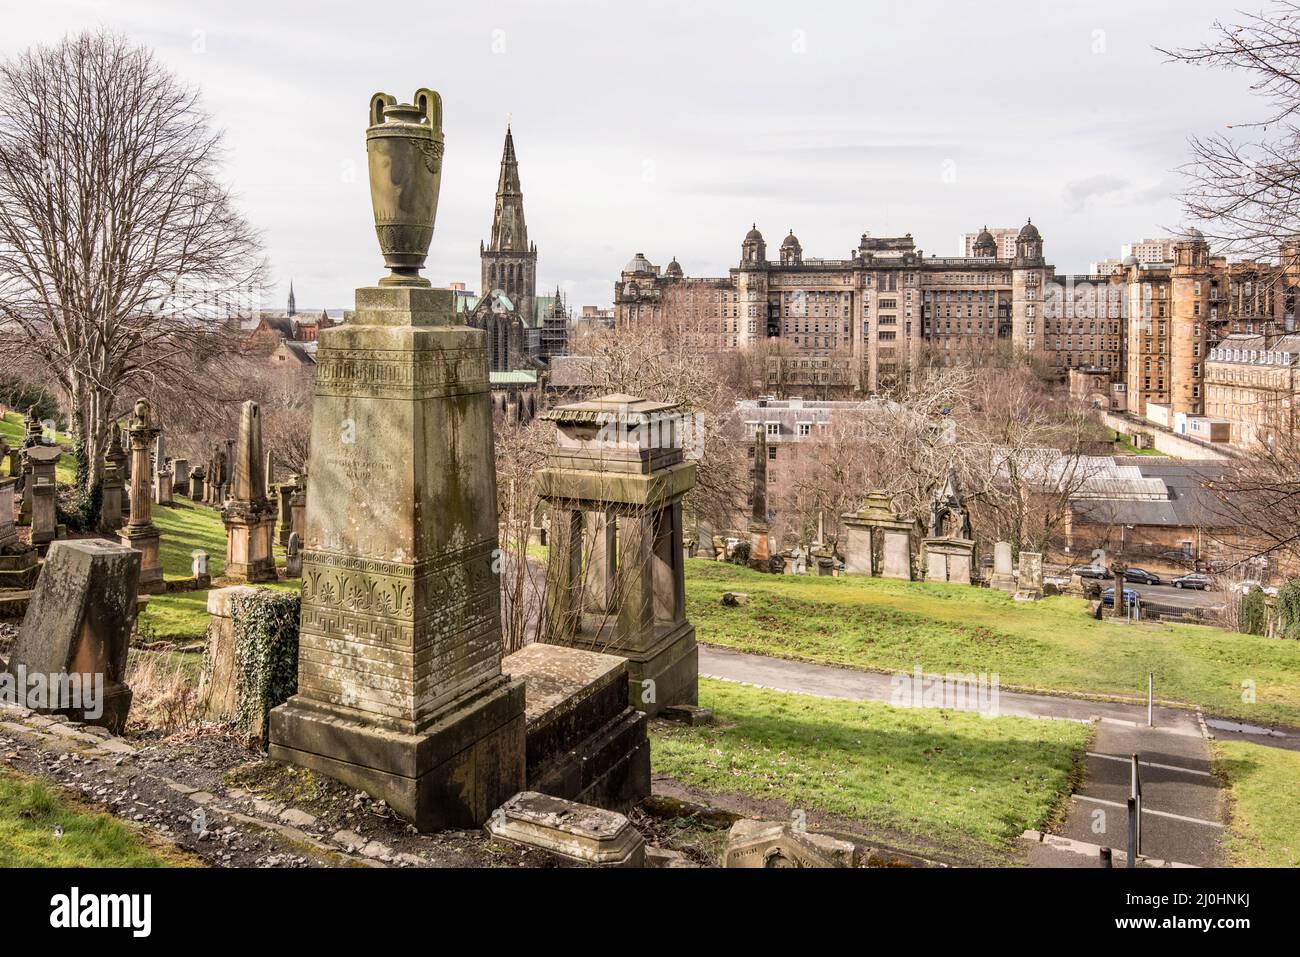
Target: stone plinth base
452, 775
146, 540
19, 569
666, 673
1003, 582
248, 550
585, 743
219, 683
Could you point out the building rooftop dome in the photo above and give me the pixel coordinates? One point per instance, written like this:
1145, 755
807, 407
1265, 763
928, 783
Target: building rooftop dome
674, 268
1130, 261
638, 263
754, 235
1029, 231
791, 240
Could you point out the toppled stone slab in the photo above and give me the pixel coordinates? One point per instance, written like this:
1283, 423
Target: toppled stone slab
572, 833
777, 844
663, 857
687, 714
79, 623
733, 599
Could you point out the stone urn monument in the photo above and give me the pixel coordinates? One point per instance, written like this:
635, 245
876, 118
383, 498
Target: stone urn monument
404, 155
400, 686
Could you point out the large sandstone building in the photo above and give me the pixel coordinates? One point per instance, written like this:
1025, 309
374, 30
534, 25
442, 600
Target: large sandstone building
861, 324
834, 328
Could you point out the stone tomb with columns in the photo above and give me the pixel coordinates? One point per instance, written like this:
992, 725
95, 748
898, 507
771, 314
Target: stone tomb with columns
619, 470
878, 541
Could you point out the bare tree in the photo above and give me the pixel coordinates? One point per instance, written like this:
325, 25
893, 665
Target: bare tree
119, 246
1244, 187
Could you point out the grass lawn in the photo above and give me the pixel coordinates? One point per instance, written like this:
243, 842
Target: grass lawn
186, 526
39, 828
880, 624
1264, 793
13, 427
968, 782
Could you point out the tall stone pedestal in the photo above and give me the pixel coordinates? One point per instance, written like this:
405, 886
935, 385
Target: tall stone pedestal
1003, 578
400, 687
249, 516
140, 532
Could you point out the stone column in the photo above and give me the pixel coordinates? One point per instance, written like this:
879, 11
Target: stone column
601, 562
564, 591
636, 613
140, 532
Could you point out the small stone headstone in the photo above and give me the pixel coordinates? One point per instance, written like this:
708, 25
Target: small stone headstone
199, 563
293, 556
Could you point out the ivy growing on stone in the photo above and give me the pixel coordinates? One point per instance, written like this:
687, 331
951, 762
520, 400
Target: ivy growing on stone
1253, 612
266, 655
1288, 609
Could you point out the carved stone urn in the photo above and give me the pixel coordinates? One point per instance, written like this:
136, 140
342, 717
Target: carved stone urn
404, 156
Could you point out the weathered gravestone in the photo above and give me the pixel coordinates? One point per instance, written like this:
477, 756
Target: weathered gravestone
400, 687
77, 630
41, 463
197, 484
110, 501
293, 556
1003, 578
1030, 586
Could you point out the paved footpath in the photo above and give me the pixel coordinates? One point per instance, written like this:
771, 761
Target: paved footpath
1182, 802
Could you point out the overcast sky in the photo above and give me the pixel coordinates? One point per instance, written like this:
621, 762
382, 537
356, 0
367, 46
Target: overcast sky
668, 127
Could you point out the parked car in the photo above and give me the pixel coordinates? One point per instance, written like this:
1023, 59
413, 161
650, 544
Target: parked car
1090, 571
1176, 556
1194, 580
1131, 596
1142, 576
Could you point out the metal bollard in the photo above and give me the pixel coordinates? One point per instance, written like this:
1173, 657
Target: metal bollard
1105, 857
1132, 832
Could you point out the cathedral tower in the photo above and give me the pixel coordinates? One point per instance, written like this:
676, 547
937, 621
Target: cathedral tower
509, 260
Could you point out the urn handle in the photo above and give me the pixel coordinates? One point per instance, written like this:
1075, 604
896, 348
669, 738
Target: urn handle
429, 103
377, 104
